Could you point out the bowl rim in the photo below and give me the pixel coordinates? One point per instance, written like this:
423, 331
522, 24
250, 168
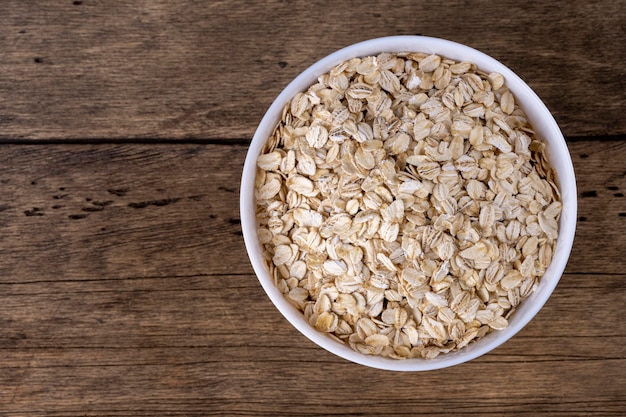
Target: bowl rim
535, 109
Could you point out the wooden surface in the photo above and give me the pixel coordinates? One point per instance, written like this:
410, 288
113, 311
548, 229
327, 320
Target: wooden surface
125, 288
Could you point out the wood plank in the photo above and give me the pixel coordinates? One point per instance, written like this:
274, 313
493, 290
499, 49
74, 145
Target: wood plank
193, 69
148, 305
154, 312
190, 346
285, 388
600, 233
81, 212
120, 211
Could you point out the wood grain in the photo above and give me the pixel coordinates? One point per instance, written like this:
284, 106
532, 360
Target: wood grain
193, 69
179, 345
206, 310
128, 211
85, 212
125, 290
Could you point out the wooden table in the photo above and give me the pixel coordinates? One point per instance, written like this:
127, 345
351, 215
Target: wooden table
125, 288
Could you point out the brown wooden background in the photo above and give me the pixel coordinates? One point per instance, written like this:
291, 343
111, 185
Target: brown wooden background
125, 288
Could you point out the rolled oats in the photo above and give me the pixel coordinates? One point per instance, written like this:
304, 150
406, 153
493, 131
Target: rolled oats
405, 205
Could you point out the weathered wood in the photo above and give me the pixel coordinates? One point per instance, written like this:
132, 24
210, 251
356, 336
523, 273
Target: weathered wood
215, 344
83, 212
209, 311
195, 69
288, 388
128, 211
125, 290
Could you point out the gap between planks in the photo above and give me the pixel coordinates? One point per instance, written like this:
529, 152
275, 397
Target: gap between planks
69, 281
129, 141
233, 274
213, 141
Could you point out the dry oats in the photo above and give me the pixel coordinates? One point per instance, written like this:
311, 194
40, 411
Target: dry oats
405, 205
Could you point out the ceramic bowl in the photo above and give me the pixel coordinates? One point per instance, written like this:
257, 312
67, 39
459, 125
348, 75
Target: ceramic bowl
543, 123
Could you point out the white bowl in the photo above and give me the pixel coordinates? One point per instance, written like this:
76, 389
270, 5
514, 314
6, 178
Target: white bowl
543, 123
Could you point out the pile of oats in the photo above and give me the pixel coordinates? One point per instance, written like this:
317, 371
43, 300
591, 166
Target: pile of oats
405, 205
